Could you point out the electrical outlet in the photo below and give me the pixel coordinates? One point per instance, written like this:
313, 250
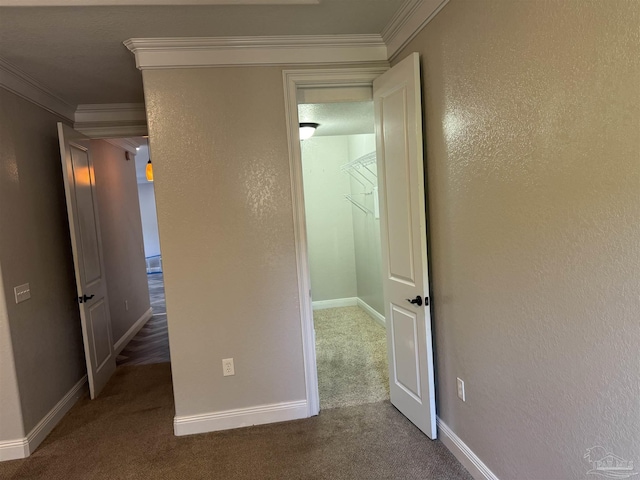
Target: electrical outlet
126, 305
461, 394
227, 367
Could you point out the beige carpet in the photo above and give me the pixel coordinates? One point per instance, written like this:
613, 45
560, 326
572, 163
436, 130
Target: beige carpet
127, 433
351, 353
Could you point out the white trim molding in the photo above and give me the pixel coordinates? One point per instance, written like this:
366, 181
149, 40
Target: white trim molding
127, 144
460, 450
23, 447
293, 80
335, 303
186, 52
373, 313
241, 417
135, 328
51, 419
407, 23
112, 131
14, 449
111, 120
18, 82
110, 113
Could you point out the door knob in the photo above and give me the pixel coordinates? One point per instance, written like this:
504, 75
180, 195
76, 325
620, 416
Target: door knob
84, 298
416, 301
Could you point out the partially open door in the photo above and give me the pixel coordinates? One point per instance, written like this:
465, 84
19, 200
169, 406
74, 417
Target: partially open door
82, 208
398, 114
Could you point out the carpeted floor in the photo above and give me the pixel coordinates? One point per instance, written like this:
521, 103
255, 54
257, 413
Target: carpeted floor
127, 433
351, 354
151, 343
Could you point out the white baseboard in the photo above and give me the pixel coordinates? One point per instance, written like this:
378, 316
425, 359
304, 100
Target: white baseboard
51, 419
14, 449
24, 447
242, 417
335, 303
460, 450
135, 328
373, 313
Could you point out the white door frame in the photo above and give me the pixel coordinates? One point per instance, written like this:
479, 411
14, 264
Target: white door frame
293, 79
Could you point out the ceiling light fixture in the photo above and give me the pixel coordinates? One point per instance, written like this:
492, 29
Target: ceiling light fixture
307, 130
149, 171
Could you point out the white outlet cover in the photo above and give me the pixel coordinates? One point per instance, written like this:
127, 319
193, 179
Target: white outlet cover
227, 367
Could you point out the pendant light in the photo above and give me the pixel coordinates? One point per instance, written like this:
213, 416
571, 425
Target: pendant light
149, 171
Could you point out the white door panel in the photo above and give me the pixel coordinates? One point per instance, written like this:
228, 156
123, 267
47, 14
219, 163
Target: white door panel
86, 243
398, 113
406, 368
90, 262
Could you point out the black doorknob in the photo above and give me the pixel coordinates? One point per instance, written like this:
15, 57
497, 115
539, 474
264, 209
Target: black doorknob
84, 298
415, 301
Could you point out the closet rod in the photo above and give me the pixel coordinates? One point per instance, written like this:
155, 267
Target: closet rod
357, 204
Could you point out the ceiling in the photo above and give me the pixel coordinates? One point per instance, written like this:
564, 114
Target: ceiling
351, 118
77, 52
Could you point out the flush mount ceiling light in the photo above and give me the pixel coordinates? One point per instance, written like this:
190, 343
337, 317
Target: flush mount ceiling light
307, 130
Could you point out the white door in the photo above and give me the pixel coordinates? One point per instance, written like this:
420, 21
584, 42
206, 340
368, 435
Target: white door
398, 113
79, 183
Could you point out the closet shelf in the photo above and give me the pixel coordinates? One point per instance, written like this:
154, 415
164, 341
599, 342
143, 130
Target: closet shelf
362, 161
359, 169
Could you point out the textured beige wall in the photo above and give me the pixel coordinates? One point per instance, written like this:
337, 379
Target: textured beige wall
532, 143
11, 426
330, 244
219, 148
121, 232
35, 248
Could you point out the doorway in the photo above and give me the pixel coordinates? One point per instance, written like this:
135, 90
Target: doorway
399, 149
343, 242
151, 342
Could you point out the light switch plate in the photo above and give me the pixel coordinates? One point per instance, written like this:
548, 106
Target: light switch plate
22, 292
461, 394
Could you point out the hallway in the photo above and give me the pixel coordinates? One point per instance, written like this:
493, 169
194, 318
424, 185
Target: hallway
151, 343
127, 432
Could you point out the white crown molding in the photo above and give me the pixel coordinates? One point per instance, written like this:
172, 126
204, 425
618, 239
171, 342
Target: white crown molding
154, 53
93, 120
111, 131
110, 113
18, 82
110, 120
407, 23
130, 146
466, 456
93, 3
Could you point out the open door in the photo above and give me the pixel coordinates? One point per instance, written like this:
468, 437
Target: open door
79, 184
403, 227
